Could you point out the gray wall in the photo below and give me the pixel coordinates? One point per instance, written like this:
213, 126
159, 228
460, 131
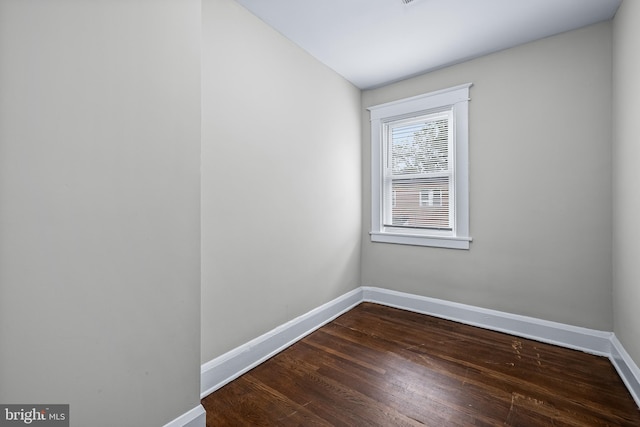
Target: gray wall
281, 180
99, 208
540, 185
626, 178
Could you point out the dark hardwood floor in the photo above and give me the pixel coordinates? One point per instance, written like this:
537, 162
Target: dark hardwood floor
379, 366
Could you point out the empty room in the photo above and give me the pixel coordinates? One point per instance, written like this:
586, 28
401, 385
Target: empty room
285, 212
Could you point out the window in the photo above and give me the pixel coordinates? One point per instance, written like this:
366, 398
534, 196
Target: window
420, 170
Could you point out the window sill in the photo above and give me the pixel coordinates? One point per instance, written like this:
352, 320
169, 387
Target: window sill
433, 241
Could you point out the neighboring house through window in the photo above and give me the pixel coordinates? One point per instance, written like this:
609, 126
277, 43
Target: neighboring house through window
419, 174
431, 198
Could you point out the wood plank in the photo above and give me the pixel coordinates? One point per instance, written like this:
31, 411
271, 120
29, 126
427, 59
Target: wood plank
376, 365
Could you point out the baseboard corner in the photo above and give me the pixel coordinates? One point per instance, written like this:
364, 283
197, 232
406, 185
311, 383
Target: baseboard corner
626, 367
196, 417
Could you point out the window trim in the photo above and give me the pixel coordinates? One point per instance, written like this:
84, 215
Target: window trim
455, 99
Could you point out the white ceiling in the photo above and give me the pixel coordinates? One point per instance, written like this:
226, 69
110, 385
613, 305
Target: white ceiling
375, 42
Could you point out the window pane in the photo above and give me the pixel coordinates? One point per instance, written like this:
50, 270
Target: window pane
421, 147
421, 203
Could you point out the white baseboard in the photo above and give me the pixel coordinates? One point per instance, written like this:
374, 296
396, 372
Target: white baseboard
229, 366
574, 337
225, 368
196, 417
626, 367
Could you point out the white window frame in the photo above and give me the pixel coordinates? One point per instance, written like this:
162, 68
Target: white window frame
454, 99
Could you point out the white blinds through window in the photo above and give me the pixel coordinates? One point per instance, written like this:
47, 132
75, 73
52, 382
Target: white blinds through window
418, 178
